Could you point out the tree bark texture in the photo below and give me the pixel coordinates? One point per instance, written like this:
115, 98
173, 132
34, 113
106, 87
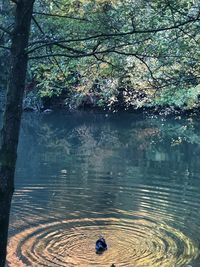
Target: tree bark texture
12, 114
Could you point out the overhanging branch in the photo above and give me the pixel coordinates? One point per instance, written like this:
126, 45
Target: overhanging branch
119, 34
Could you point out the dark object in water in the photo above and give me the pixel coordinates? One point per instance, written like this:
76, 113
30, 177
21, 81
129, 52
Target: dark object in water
113, 265
101, 245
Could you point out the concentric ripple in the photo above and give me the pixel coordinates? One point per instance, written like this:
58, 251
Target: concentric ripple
136, 242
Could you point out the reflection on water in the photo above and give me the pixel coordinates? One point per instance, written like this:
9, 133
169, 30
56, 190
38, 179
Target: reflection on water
135, 180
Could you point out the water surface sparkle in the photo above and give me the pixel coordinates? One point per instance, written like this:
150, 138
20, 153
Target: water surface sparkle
138, 243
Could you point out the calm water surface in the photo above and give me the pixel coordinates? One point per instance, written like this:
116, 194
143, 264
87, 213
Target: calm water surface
135, 180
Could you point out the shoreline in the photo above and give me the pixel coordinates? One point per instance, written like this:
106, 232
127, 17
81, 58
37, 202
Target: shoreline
148, 111
165, 111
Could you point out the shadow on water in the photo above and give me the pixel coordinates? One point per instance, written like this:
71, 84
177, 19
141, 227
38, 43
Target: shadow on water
133, 179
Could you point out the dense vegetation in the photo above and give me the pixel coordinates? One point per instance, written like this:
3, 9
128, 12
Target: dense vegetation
110, 53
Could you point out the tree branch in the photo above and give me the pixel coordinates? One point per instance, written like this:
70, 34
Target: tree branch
102, 60
139, 57
61, 55
61, 42
60, 16
120, 34
38, 25
81, 54
5, 30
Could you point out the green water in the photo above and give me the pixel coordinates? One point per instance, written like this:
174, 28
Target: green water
134, 179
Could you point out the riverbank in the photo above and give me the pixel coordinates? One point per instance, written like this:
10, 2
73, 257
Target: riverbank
33, 103
146, 111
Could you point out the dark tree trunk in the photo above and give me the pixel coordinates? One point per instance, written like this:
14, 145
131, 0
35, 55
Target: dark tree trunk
12, 115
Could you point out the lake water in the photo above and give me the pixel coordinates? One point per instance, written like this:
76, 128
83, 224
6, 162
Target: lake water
135, 180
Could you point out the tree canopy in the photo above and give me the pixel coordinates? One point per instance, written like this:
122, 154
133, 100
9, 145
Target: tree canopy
134, 52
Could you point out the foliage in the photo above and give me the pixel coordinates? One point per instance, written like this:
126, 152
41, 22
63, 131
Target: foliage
115, 51
184, 98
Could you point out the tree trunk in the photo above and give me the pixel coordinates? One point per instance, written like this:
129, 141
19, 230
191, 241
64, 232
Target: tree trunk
12, 115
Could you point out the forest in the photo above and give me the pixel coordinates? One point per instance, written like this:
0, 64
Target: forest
109, 54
